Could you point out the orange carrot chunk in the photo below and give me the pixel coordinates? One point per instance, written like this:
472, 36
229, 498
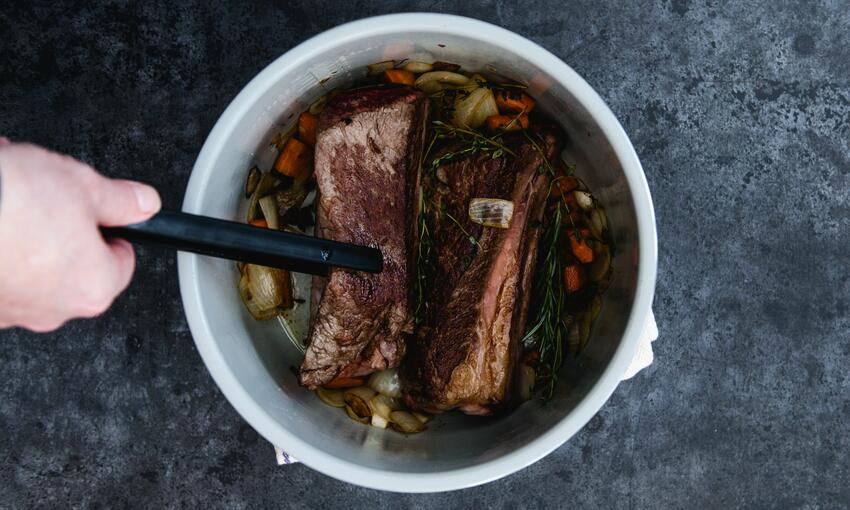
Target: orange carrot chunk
582, 251
307, 127
573, 278
513, 101
295, 160
259, 222
399, 76
344, 382
506, 122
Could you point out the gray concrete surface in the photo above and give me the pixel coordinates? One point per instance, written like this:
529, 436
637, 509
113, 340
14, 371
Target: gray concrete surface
740, 112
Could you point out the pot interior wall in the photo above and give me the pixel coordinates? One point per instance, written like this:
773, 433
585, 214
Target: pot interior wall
263, 358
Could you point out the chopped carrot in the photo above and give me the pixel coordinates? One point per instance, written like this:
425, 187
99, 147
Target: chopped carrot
295, 160
307, 127
344, 382
399, 76
259, 222
513, 101
507, 122
573, 278
579, 246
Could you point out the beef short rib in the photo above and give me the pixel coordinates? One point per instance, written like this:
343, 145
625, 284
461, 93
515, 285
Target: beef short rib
367, 164
465, 351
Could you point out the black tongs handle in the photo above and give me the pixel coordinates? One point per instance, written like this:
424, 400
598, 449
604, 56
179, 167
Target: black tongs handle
238, 241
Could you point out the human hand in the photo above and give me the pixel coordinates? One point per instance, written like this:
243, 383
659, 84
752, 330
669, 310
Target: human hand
54, 263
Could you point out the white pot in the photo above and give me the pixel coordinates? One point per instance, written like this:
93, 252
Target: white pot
250, 361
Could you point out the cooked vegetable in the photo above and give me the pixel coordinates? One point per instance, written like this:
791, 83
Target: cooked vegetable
252, 180
379, 421
598, 222
295, 160
562, 185
268, 205
354, 416
307, 123
265, 290
417, 67
267, 182
259, 222
399, 76
584, 200
578, 244
406, 423
357, 399
331, 397
526, 381
471, 111
491, 212
595, 308
573, 278
318, 105
290, 198
601, 265
514, 101
585, 322
279, 139
386, 382
445, 66
507, 123
438, 80
424, 418
383, 405
380, 67
345, 382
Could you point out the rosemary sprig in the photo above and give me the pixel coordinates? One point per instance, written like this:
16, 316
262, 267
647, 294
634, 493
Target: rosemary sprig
549, 331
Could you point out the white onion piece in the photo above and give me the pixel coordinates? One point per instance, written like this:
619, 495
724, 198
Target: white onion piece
406, 423
574, 335
333, 398
472, 110
268, 205
386, 382
601, 264
380, 67
357, 399
379, 421
417, 67
595, 308
261, 289
584, 199
526, 381
318, 105
491, 212
382, 405
598, 221
438, 80
354, 416
424, 418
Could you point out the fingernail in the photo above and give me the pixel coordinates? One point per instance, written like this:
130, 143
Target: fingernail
146, 197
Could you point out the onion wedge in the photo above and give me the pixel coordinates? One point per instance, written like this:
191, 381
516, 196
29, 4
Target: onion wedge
491, 212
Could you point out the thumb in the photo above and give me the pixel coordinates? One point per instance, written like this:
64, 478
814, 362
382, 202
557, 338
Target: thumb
4, 141
122, 202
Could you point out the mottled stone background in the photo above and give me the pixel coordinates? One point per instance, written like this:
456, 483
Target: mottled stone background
740, 112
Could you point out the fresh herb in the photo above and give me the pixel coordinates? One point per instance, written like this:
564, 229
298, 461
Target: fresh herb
469, 236
423, 261
549, 331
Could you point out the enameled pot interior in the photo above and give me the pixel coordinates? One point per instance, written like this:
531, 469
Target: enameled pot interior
263, 358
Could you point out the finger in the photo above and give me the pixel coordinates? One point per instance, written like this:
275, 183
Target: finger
121, 202
124, 259
4, 141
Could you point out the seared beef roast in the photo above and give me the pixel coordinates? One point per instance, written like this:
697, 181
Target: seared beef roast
466, 348
367, 163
